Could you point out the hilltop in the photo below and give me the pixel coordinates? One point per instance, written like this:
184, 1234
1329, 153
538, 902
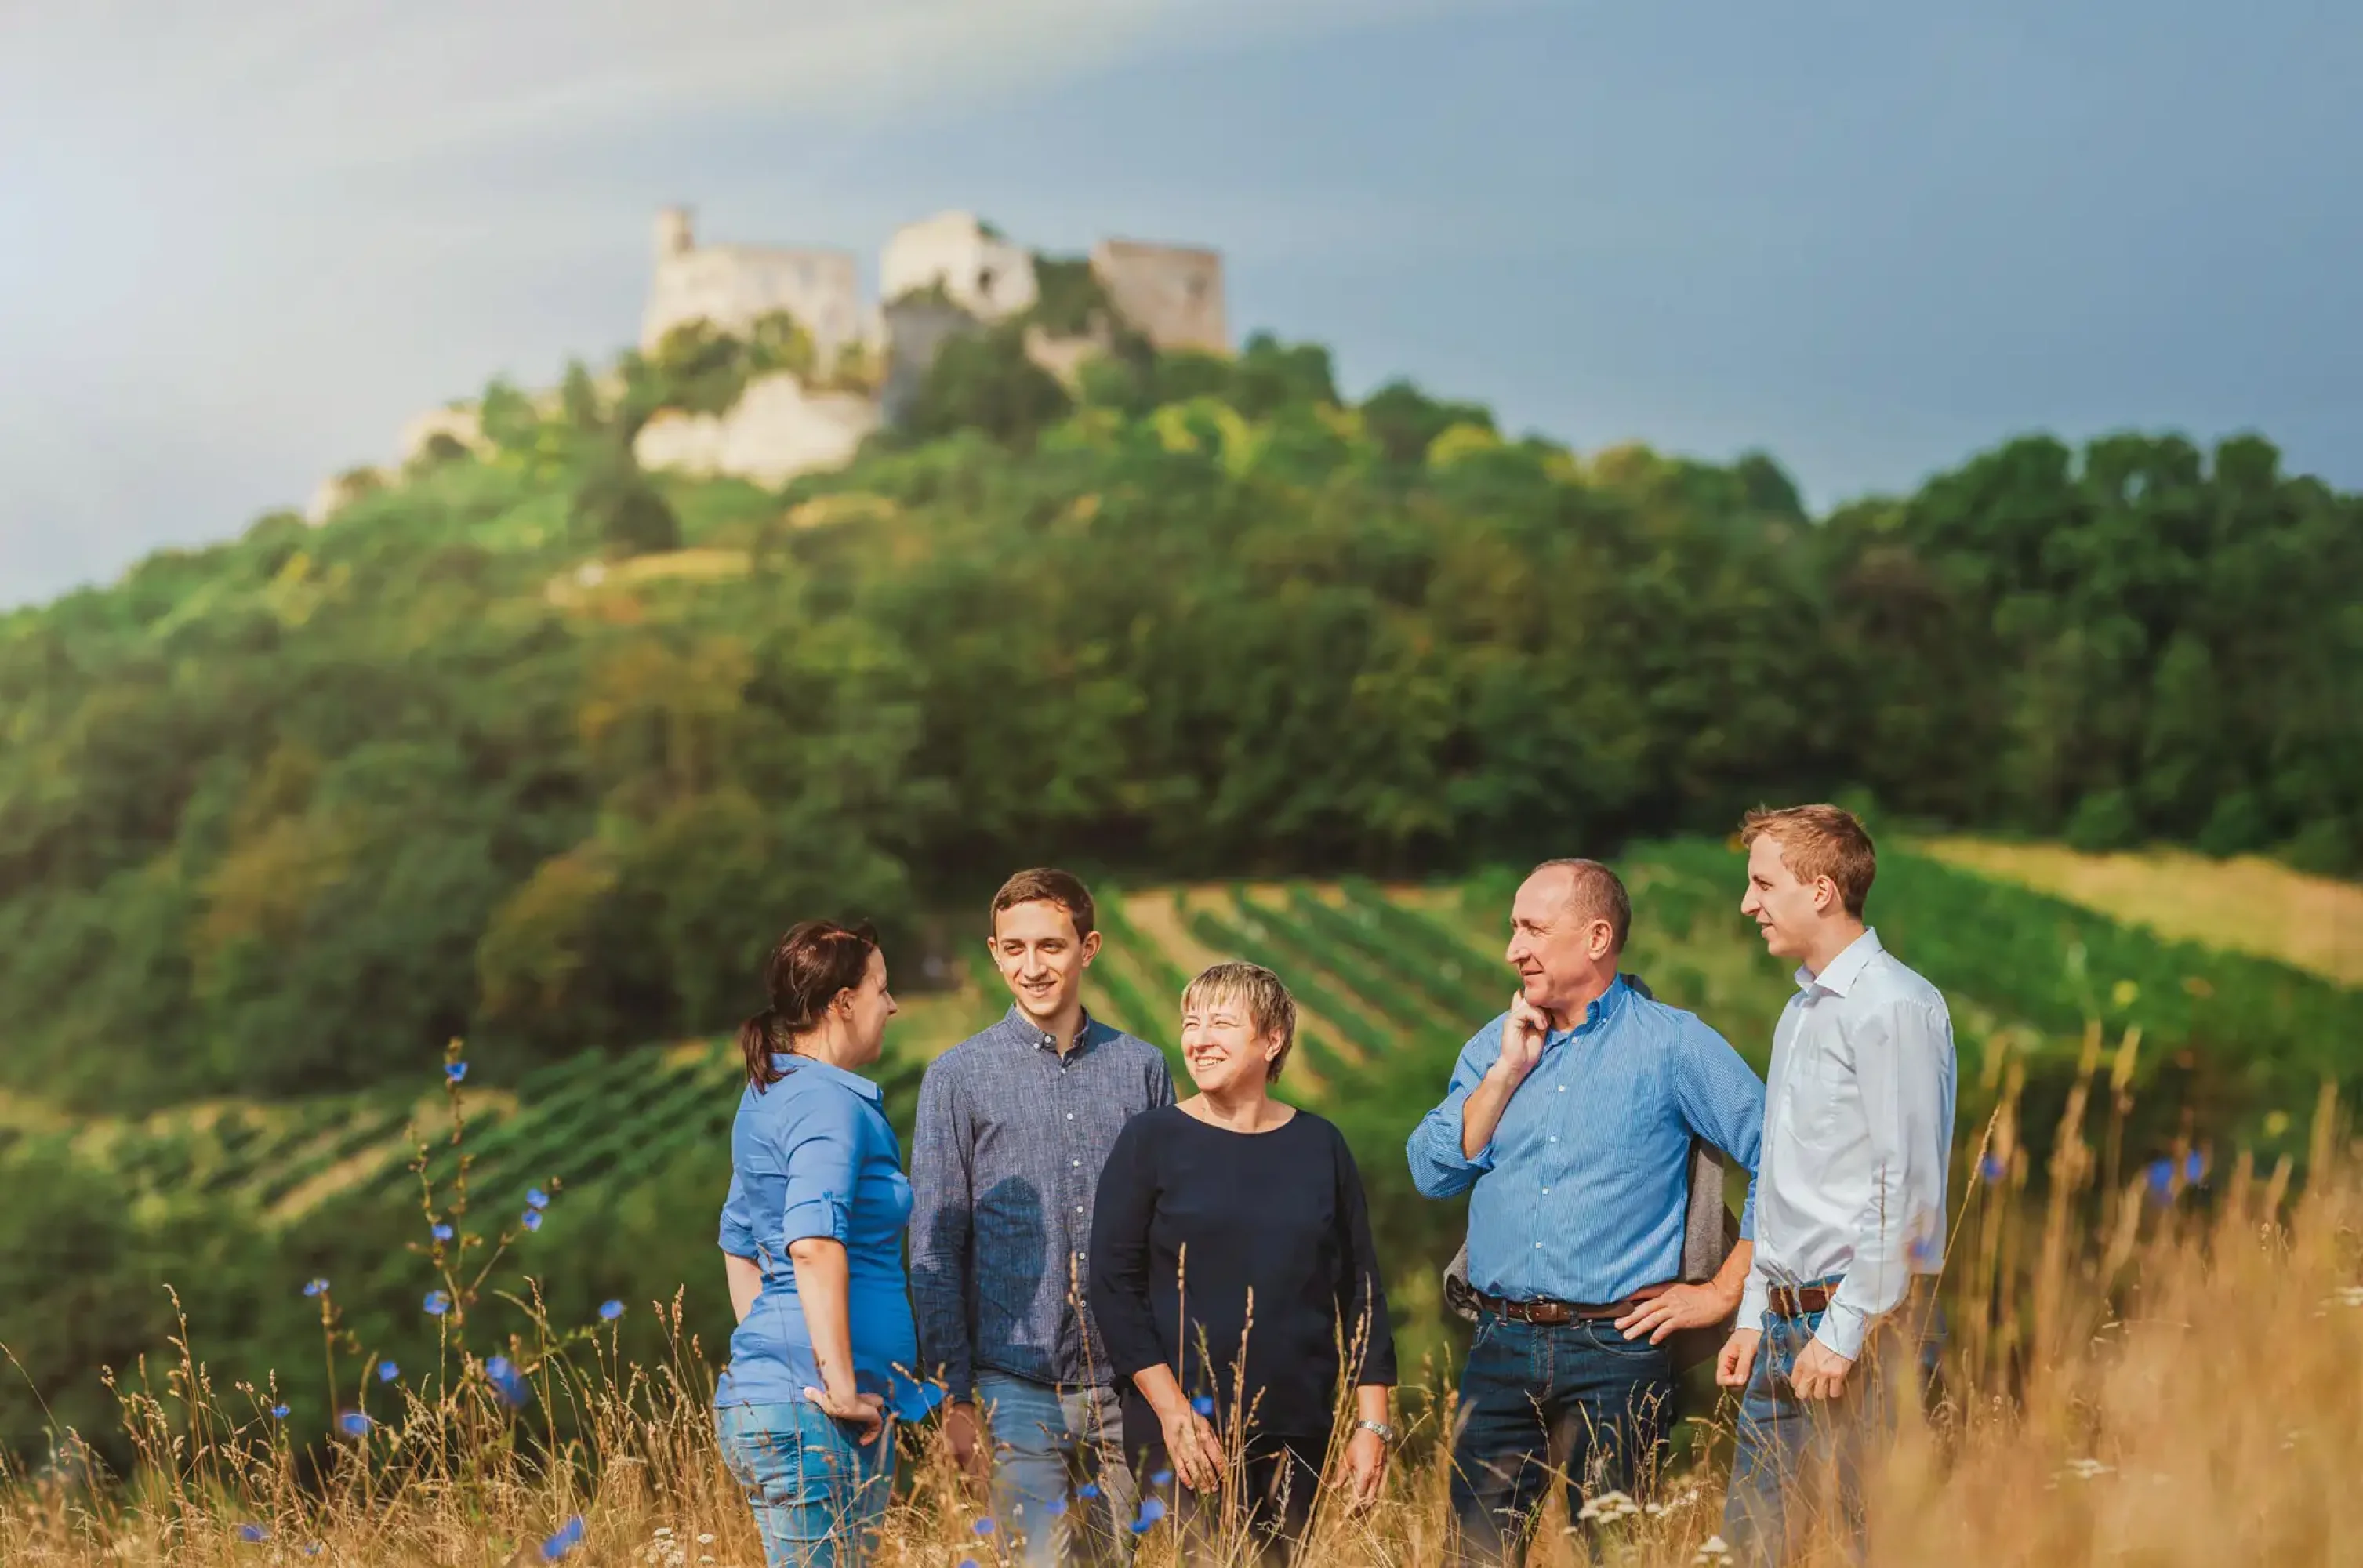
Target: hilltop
537, 747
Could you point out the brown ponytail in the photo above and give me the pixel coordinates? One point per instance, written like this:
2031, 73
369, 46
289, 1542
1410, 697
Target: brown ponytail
808, 969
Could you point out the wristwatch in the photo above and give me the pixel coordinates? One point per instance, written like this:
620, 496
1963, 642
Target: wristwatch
1386, 1433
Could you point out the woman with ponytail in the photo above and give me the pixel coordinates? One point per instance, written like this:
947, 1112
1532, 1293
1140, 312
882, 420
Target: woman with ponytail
812, 1241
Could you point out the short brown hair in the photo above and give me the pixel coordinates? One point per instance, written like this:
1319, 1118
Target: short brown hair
1047, 884
1817, 841
1595, 893
1270, 1009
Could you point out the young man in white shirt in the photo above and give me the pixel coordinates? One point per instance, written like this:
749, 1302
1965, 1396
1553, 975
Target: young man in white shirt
1849, 1195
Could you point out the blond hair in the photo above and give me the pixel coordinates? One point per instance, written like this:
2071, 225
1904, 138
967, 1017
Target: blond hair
1817, 841
1270, 1009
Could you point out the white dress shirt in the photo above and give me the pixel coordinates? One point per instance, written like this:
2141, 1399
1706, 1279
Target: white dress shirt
1857, 1126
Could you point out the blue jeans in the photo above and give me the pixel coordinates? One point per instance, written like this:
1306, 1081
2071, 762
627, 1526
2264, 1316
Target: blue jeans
1576, 1399
1796, 1475
818, 1494
1049, 1444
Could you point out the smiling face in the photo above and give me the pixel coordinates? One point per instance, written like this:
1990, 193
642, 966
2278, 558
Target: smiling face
1789, 913
1225, 1051
1556, 946
1037, 949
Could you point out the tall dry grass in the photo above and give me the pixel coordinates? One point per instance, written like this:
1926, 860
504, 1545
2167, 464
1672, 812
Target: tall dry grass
2134, 1378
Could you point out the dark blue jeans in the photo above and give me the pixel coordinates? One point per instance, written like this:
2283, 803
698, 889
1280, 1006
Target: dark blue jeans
1796, 1475
1576, 1399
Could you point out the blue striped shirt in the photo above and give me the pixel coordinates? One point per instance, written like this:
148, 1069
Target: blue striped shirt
1582, 1193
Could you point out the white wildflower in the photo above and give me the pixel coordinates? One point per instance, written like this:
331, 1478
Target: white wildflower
2085, 1469
2352, 1295
1714, 1549
1608, 1507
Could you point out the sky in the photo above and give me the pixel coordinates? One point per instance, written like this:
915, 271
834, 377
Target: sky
240, 243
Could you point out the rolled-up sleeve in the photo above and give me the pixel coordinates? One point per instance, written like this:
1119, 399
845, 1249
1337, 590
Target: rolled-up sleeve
1438, 1167
820, 1152
737, 1232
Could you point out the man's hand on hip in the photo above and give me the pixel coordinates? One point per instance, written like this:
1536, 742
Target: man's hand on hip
1676, 1307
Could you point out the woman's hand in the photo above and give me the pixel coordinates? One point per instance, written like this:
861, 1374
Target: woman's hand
1190, 1443
866, 1411
1364, 1468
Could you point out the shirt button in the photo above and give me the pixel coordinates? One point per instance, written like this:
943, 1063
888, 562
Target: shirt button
1538, 1246
1554, 1138
1079, 1164
1546, 1192
1562, 1088
1079, 1209
1070, 1116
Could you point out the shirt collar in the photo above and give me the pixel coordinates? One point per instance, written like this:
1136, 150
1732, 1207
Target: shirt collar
786, 1062
1601, 1007
1023, 1031
1838, 976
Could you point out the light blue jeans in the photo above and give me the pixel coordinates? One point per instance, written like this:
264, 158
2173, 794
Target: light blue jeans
819, 1496
1061, 1486
1797, 1474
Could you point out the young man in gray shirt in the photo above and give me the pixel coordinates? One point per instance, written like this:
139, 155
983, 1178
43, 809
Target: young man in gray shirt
1013, 1127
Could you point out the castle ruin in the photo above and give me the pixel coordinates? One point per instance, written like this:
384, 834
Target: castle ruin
938, 278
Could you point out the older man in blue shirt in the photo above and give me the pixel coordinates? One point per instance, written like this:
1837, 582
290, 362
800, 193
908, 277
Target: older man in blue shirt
1569, 1122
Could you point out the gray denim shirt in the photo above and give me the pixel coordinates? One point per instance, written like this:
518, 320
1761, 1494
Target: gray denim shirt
1004, 1163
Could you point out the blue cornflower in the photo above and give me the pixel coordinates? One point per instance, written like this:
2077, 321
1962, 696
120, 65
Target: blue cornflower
354, 1424
440, 1231
387, 1371
512, 1388
984, 1527
2194, 1165
1990, 1168
315, 1287
279, 1412
1161, 1478
968, 1562
1151, 1510
2161, 1177
437, 1302
253, 1535
610, 1310
1204, 1404
535, 1198
569, 1537
530, 1219
1055, 1507
1088, 1489
455, 1071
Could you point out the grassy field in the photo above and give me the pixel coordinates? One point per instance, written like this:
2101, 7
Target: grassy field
2099, 1405
2207, 1060
2246, 904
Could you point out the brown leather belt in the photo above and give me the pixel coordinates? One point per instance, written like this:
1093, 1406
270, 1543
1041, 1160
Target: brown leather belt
1549, 1313
1800, 1301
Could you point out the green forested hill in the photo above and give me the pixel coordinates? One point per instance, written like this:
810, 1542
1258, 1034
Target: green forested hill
534, 749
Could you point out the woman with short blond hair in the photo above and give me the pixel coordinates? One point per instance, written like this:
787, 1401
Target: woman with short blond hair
1234, 1285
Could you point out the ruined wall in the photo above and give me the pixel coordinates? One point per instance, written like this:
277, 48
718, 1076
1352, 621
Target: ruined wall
988, 277
777, 429
734, 285
463, 422
1173, 294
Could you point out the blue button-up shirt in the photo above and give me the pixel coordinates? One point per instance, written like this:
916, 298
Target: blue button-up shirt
1582, 1193
1005, 1163
813, 1155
